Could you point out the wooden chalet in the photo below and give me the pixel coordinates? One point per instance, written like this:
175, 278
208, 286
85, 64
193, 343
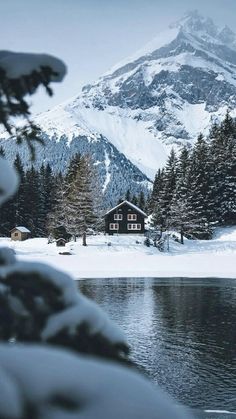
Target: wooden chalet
20, 233
125, 218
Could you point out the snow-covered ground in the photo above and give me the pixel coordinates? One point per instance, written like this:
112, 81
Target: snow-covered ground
127, 256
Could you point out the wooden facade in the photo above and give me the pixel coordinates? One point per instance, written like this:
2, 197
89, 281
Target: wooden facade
125, 218
20, 233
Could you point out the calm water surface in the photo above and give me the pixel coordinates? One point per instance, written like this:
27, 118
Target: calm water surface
182, 331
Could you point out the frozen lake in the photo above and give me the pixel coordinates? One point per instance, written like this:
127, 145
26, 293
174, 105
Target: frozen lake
182, 331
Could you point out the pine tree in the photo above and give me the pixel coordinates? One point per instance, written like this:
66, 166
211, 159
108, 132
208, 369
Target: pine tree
34, 203
82, 199
142, 201
167, 179
134, 200
70, 197
128, 196
228, 204
227, 127
77, 198
157, 187
178, 217
57, 217
48, 193
20, 197
199, 195
222, 150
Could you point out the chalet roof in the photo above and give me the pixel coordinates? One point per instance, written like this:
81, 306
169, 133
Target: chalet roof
128, 203
61, 238
21, 229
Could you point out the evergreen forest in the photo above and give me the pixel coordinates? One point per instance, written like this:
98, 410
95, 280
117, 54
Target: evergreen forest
46, 200
196, 190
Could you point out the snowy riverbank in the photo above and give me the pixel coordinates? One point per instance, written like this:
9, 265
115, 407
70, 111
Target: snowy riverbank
126, 256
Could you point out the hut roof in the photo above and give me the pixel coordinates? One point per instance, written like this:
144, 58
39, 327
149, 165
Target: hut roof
21, 229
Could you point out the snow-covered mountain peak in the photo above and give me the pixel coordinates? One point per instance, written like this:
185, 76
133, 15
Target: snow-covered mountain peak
189, 41
195, 23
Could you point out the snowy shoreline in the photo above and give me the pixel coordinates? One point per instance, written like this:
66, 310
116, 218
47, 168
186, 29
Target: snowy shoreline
126, 256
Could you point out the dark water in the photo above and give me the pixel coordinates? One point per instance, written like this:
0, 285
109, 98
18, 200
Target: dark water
183, 331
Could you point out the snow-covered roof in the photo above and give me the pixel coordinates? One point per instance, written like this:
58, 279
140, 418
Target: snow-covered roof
21, 229
130, 204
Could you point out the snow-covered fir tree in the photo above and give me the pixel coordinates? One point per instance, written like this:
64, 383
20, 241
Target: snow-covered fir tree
142, 201
166, 182
157, 186
20, 196
222, 150
81, 199
76, 202
57, 216
199, 199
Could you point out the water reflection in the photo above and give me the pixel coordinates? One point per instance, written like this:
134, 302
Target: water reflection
182, 331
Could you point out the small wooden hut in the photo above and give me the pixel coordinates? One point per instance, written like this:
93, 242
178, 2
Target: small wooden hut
61, 242
20, 233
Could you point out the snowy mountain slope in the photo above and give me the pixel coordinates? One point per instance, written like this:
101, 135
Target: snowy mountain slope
129, 137
63, 137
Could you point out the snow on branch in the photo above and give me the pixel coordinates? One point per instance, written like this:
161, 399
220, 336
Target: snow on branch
20, 75
44, 305
84, 312
18, 64
8, 180
43, 383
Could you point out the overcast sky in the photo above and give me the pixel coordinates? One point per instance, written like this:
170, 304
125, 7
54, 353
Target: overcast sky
93, 35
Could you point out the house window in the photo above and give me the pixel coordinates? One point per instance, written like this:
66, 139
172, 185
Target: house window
16, 234
114, 226
132, 217
118, 217
134, 226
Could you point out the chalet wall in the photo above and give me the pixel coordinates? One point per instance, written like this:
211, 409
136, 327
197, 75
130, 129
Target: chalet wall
125, 209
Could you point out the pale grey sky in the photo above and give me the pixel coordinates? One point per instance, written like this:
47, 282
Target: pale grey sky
93, 35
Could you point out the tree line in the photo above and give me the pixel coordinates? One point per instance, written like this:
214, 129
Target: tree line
46, 200
197, 189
